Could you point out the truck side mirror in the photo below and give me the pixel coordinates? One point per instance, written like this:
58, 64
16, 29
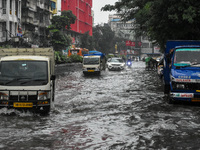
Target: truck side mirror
53, 77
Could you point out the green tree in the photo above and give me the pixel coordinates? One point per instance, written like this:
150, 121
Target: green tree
162, 20
87, 41
59, 39
105, 39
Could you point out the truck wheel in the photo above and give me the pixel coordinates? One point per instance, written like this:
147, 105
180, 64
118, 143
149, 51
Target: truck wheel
46, 110
53, 95
166, 89
169, 98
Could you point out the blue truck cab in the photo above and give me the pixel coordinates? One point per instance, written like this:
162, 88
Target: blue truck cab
182, 71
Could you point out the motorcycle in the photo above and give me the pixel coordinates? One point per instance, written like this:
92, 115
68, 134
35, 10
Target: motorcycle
129, 64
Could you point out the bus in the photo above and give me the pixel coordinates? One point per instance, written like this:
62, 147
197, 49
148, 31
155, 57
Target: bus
78, 51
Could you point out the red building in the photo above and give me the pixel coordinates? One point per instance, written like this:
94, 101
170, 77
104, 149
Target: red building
82, 10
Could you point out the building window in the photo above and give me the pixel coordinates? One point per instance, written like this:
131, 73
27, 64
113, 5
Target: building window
16, 8
41, 18
53, 6
15, 29
11, 7
145, 45
4, 28
4, 6
10, 32
19, 9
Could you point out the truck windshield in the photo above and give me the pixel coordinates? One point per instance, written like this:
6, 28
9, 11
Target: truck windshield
23, 73
187, 57
92, 60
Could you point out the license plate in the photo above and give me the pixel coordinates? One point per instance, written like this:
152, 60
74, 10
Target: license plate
195, 99
26, 105
90, 70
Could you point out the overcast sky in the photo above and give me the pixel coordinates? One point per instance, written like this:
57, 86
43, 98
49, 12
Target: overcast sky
99, 16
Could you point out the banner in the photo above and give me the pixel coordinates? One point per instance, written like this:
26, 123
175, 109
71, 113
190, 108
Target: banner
132, 43
128, 43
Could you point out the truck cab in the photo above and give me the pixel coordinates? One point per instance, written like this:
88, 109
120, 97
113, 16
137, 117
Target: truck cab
27, 79
93, 63
182, 72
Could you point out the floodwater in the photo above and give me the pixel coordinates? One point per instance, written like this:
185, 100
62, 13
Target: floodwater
118, 110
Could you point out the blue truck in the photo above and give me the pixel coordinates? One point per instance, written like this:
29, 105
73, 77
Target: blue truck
182, 71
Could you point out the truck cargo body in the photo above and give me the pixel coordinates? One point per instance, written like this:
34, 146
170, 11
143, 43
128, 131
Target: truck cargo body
27, 79
182, 71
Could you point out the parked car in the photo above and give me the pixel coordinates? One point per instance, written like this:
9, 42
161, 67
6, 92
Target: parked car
115, 63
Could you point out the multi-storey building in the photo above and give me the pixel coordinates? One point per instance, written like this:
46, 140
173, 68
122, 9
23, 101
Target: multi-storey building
35, 20
126, 30
10, 18
27, 19
82, 9
122, 29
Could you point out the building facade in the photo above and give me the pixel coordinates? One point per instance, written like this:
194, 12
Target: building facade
26, 20
82, 9
142, 47
35, 19
10, 18
122, 29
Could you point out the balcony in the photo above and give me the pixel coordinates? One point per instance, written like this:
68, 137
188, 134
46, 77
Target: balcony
40, 5
36, 22
4, 10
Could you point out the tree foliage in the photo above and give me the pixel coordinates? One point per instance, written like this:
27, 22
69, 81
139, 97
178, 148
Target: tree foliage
162, 20
59, 39
87, 41
103, 38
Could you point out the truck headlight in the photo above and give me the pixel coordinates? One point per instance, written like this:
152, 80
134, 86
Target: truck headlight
172, 78
3, 96
84, 68
42, 96
180, 86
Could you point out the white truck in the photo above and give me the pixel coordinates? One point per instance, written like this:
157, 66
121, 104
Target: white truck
27, 78
93, 63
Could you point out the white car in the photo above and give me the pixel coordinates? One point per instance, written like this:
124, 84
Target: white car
115, 63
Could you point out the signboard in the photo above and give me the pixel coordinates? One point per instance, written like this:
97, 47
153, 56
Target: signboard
132, 43
128, 43
156, 49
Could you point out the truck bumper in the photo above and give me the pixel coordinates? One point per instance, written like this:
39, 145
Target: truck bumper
91, 71
42, 105
185, 96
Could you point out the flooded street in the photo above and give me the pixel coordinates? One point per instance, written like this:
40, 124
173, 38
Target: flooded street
118, 110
